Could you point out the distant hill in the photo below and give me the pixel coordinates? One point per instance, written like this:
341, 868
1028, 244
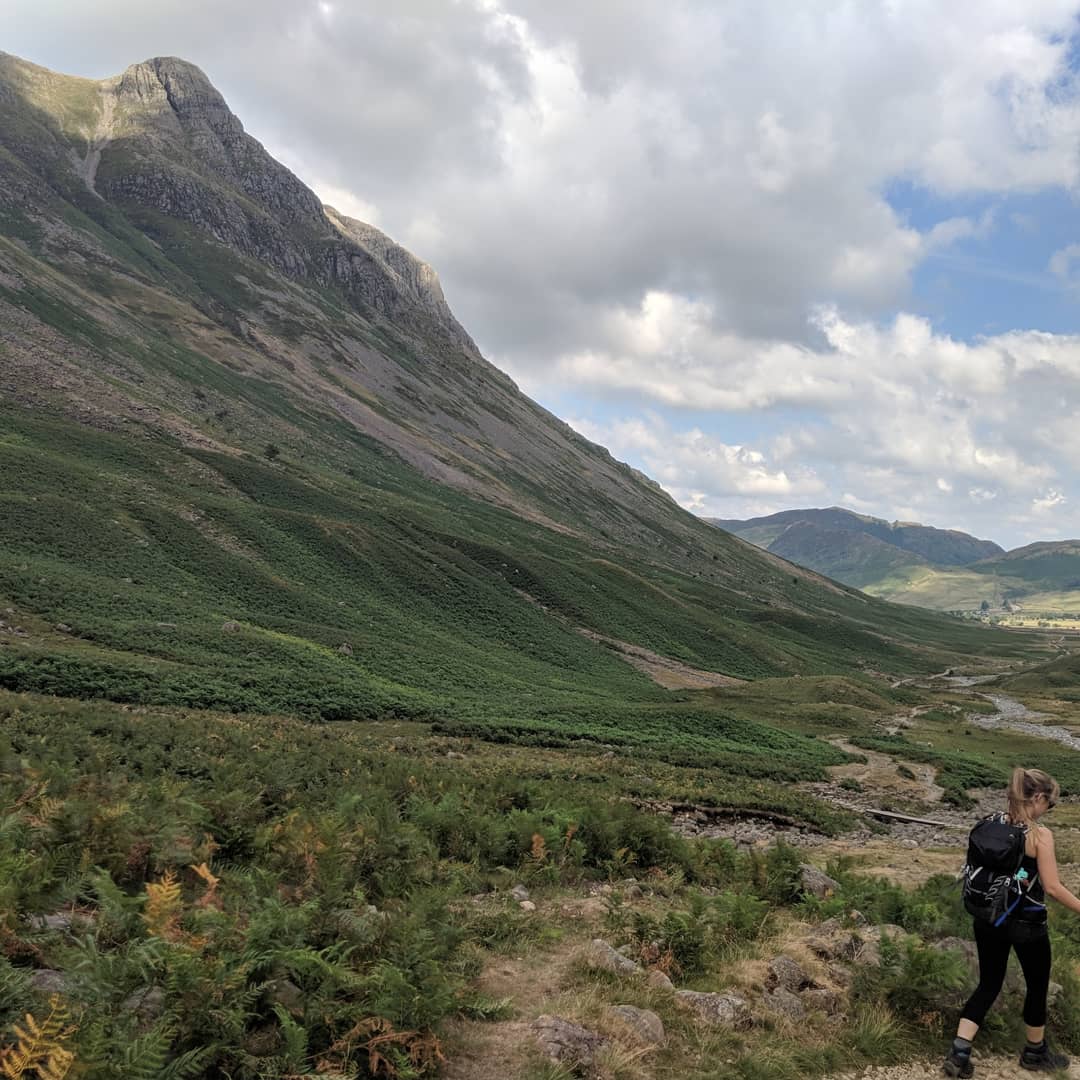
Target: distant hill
918, 564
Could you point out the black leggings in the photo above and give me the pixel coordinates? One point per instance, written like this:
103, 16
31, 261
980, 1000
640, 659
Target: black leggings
1032, 945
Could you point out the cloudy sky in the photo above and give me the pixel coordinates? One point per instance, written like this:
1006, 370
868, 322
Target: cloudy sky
774, 253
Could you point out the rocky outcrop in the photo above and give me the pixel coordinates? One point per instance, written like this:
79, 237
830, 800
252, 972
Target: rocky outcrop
567, 1043
644, 1025
719, 1010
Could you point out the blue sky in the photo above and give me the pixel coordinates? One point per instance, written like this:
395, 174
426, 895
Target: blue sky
773, 255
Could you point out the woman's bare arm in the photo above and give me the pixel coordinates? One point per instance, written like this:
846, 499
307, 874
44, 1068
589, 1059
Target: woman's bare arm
1048, 870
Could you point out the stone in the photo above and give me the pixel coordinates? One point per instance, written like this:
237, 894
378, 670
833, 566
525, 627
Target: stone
345, 649
600, 956
61, 921
647, 1027
63, 628
519, 892
634, 892
147, 1003
784, 1002
787, 974
566, 1043
876, 933
867, 953
658, 980
1054, 991
822, 1000
816, 882
49, 981
231, 626
526, 905
719, 1010
285, 992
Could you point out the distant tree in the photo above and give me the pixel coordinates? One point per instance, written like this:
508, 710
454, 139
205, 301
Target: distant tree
272, 451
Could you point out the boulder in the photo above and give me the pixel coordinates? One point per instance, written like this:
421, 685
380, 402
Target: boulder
822, 1000
285, 992
602, 957
816, 882
658, 980
566, 1043
720, 1010
147, 1003
784, 1002
786, 973
961, 945
647, 1027
49, 981
61, 921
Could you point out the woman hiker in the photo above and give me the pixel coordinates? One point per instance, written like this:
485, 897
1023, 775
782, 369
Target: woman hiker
1031, 794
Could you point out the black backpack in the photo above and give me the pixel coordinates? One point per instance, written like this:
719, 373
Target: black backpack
993, 881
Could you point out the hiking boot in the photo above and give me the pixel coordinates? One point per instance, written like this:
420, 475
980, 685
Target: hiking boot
957, 1064
1042, 1059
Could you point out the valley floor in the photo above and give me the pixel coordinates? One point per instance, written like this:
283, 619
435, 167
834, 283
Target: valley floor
319, 898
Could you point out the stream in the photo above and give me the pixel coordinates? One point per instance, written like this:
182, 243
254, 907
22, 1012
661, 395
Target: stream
1014, 715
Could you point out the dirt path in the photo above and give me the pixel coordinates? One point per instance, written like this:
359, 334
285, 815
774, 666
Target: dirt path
995, 1068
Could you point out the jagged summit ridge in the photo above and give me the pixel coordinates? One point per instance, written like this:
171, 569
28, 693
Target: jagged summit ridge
161, 136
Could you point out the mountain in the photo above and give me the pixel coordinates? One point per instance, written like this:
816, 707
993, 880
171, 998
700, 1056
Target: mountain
798, 535
918, 564
252, 461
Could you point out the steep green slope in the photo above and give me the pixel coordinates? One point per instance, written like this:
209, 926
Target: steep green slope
252, 462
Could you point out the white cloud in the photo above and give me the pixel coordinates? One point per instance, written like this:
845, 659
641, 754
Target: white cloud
699, 470
643, 202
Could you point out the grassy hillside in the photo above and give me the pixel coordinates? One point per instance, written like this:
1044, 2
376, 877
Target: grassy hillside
256, 464
915, 564
817, 538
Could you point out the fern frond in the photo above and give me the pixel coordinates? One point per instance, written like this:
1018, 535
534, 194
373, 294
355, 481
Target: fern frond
163, 902
39, 1045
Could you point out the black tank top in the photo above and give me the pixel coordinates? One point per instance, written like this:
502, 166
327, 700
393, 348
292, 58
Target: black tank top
1032, 908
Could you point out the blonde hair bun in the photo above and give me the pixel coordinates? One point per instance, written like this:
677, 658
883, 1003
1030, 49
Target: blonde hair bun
1024, 787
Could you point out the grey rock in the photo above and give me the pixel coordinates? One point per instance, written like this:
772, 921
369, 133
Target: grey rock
148, 1003
519, 892
816, 882
285, 992
230, 626
784, 1002
49, 981
786, 973
602, 957
720, 1010
634, 892
567, 1043
647, 1027
1054, 991
658, 980
345, 649
866, 953
61, 921
822, 1000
